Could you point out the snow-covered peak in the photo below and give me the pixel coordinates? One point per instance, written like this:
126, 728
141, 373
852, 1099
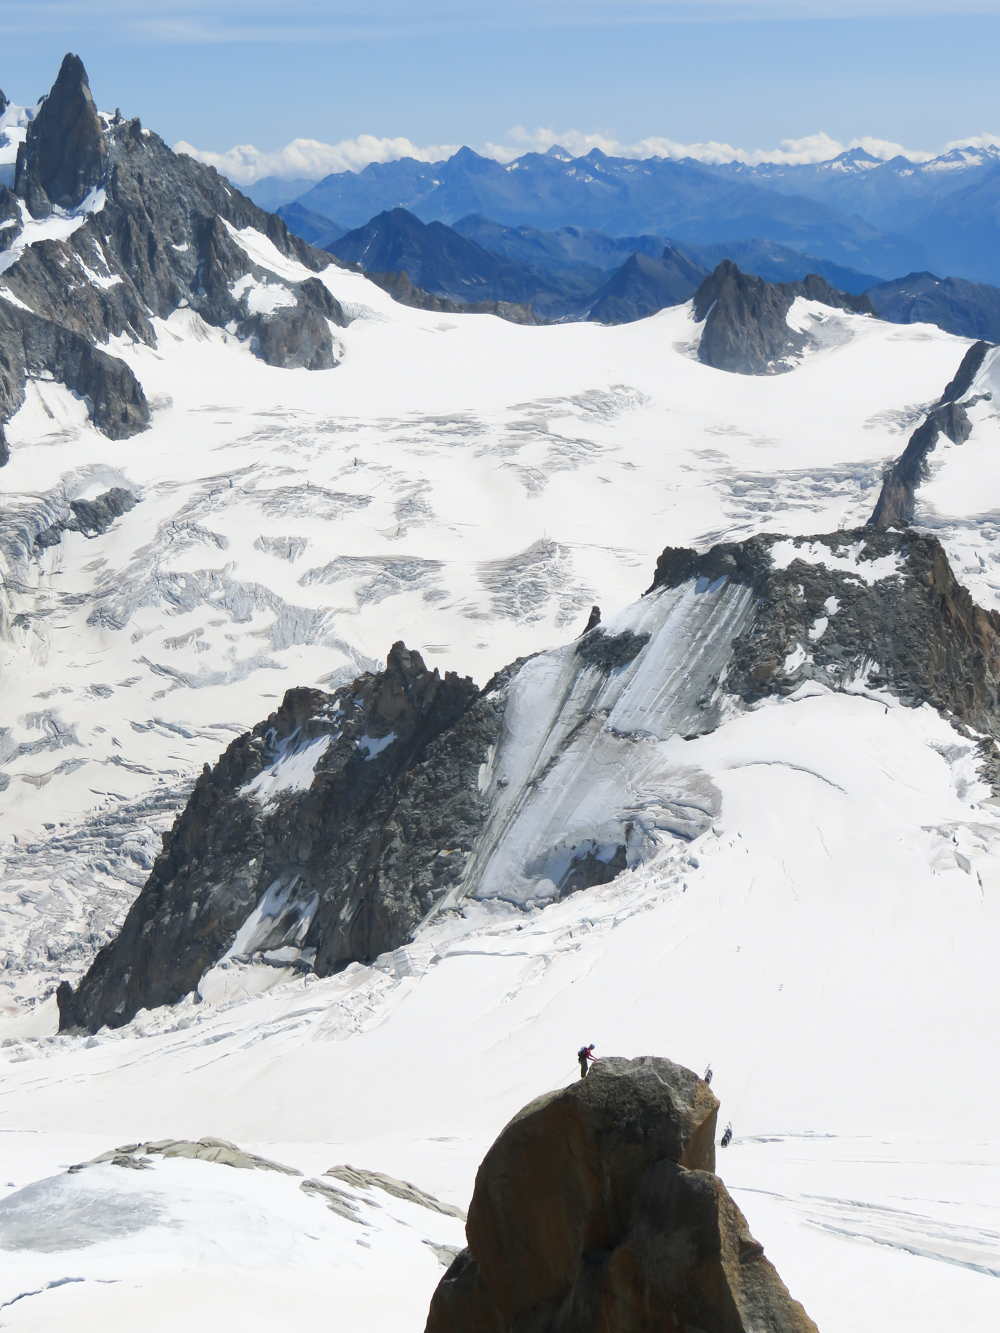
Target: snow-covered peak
13, 126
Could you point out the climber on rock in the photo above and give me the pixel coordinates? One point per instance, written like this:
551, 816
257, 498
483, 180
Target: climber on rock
585, 1054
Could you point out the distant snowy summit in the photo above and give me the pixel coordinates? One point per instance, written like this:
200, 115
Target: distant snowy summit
883, 217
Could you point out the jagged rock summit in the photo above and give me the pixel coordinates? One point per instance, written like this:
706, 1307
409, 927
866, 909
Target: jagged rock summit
117, 231
335, 825
598, 1209
746, 319
64, 155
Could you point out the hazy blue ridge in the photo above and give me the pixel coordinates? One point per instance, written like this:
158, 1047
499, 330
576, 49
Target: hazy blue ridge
312, 227
567, 248
961, 233
892, 195
644, 285
270, 192
778, 263
969, 309
435, 257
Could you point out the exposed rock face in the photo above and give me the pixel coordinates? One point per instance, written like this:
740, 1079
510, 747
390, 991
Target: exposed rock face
32, 345
597, 1209
746, 329
897, 498
349, 813
64, 155
873, 602
156, 231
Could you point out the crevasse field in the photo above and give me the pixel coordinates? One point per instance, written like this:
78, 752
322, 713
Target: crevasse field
827, 943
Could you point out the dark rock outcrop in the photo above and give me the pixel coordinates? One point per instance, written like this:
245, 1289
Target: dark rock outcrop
374, 838
746, 330
91, 517
597, 1209
32, 345
164, 236
948, 417
644, 285
913, 628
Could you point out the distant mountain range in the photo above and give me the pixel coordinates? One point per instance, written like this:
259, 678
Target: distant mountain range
856, 211
559, 274
312, 227
564, 274
616, 239
616, 196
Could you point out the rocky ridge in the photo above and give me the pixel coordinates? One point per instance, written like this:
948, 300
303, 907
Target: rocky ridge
880, 606
598, 1208
133, 231
348, 815
948, 417
335, 827
746, 328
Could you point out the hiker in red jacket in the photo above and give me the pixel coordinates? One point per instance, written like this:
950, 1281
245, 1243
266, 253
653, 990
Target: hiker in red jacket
585, 1054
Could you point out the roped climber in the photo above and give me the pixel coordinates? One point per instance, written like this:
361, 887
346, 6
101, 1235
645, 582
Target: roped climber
586, 1056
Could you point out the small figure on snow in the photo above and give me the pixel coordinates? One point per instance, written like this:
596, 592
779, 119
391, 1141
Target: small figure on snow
708, 1074
585, 1054
727, 1137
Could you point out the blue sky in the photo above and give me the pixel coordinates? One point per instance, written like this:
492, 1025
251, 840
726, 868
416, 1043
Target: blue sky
441, 72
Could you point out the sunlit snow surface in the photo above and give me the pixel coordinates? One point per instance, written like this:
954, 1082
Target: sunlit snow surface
827, 940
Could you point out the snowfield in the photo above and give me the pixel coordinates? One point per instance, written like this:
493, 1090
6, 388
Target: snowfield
826, 939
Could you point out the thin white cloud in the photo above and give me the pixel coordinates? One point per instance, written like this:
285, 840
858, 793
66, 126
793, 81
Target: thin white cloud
977, 141
790, 152
310, 159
